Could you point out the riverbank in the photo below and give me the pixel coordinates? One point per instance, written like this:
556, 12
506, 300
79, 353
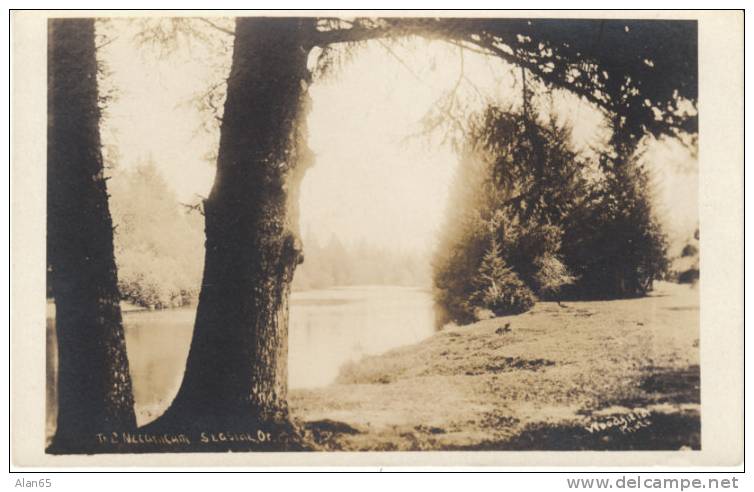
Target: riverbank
618, 374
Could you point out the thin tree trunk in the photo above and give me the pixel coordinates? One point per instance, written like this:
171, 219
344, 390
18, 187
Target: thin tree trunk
236, 373
94, 384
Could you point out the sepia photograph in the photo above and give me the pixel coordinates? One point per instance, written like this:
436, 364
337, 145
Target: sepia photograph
365, 232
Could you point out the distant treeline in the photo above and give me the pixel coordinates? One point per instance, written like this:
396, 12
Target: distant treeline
159, 248
334, 264
530, 218
159, 244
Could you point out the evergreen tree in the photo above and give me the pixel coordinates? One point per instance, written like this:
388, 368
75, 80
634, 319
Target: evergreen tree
157, 242
94, 382
497, 287
616, 245
518, 183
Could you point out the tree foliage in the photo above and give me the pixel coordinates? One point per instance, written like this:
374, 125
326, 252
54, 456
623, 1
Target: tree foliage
497, 287
157, 243
616, 244
516, 183
641, 72
684, 268
563, 224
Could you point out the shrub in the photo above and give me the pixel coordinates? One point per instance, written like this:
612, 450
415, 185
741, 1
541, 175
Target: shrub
535, 252
154, 282
498, 288
552, 275
685, 268
689, 250
690, 276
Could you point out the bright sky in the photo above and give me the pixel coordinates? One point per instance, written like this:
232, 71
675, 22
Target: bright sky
369, 181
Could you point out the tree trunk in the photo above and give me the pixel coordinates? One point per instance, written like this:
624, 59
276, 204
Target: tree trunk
94, 385
236, 373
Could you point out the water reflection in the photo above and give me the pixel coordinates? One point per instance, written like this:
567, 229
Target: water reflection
327, 329
331, 327
157, 343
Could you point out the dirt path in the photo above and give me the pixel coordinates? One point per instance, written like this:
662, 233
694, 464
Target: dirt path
586, 375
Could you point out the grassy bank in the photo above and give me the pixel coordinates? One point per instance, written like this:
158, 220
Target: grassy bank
618, 374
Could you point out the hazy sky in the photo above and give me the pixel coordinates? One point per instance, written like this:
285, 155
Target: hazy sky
369, 182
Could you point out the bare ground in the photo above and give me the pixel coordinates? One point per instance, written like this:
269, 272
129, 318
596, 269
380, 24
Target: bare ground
618, 374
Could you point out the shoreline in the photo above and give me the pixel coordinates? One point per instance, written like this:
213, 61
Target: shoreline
619, 374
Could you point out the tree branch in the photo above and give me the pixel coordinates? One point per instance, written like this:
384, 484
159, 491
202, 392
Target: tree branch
392, 53
107, 42
219, 28
351, 35
454, 32
552, 63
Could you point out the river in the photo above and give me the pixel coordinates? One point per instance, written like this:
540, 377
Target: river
328, 328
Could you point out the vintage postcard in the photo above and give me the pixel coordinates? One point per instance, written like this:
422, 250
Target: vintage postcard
335, 238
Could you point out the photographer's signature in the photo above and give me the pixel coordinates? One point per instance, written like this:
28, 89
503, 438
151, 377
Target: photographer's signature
625, 423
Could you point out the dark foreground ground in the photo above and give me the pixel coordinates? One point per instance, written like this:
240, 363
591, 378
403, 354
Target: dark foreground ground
585, 375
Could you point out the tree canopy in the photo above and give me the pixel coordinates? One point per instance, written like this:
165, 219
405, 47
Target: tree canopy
642, 71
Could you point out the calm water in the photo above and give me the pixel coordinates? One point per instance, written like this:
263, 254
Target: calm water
327, 329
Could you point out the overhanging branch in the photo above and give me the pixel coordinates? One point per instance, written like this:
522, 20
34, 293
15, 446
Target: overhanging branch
616, 81
218, 27
452, 31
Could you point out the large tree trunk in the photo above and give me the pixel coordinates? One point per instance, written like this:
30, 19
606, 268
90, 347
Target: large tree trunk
94, 385
236, 373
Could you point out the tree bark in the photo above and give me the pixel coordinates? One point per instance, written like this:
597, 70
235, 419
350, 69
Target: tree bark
236, 373
94, 384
